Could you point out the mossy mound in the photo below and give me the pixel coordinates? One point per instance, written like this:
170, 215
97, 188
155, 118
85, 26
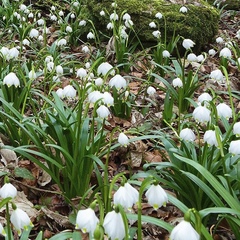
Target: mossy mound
200, 23
228, 4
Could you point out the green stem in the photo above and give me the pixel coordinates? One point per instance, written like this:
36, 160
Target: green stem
9, 233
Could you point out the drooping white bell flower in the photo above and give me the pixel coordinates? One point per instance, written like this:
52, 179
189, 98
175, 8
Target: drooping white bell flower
191, 57
166, 54
69, 29
217, 75
184, 231
13, 53
98, 81
114, 226
177, 82
201, 114
40, 22
4, 51
108, 99
103, 112
8, 190
236, 129
156, 196
234, 148
225, 52
183, 9
59, 92
82, 23
81, 73
90, 35
25, 42
102, 13
32, 75
211, 52
118, 82
158, 15
151, 91
105, 68
87, 221
152, 25
223, 110
114, 16
204, 97
61, 42
69, 91
94, 96
187, 134
156, 34
85, 49
188, 43
126, 17
59, 70
219, 40
11, 79
123, 139
20, 220
33, 33
50, 66
210, 138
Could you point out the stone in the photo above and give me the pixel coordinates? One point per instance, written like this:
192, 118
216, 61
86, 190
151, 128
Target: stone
200, 23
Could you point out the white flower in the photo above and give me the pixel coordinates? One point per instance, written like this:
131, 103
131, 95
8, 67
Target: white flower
48, 59
76, 4
20, 220
191, 57
72, 16
25, 42
87, 221
201, 114
53, 8
126, 17
61, 42
50, 66
219, 40
234, 147
59, 70
177, 82
114, 226
69, 91
13, 53
105, 68
30, 15
88, 65
211, 52
69, 29
236, 129
223, 110
114, 16
102, 13
166, 54
123, 139
81, 73
152, 25
210, 138
158, 15
61, 13
123, 34
114, 5
103, 112
217, 75
126, 196
98, 81
108, 99
151, 90
53, 17
184, 231
11, 79
204, 97
59, 92
238, 34
90, 35
82, 23
32, 75
188, 43
85, 49
200, 58
156, 196
109, 26
118, 82
128, 23
187, 134
4, 51
225, 52
156, 34
8, 190
94, 96
183, 9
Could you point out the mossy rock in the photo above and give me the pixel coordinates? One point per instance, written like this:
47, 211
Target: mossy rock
228, 4
200, 23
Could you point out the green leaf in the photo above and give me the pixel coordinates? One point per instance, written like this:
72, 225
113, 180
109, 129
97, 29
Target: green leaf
62, 236
23, 173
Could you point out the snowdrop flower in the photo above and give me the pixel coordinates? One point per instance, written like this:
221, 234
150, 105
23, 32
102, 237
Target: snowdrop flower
102, 13
13, 53
188, 43
234, 148
50, 66
217, 75
108, 99
151, 90
109, 26
152, 25
123, 139
238, 34
126, 196
53, 17
56, 78
225, 52
82, 23
8, 190
210, 138
187, 134
20, 220
201, 114
4, 51
211, 52
123, 34
219, 40
114, 5
90, 35
72, 16
85, 49
88, 65
25, 42
204, 97
87, 221
114, 226
118, 82
103, 112
156, 196
48, 59
236, 129
40, 22
94, 96
158, 15
105, 68
32, 75
30, 15
128, 23
191, 57
114, 17
69, 91
11, 79
69, 29
184, 231
223, 110
59, 92
183, 9
81, 73
61, 42
76, 4
200, 58
166, 54
59, 70
156, 34
98, 81
53, 8
61, 13
126, 17
22, 7
177, 82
